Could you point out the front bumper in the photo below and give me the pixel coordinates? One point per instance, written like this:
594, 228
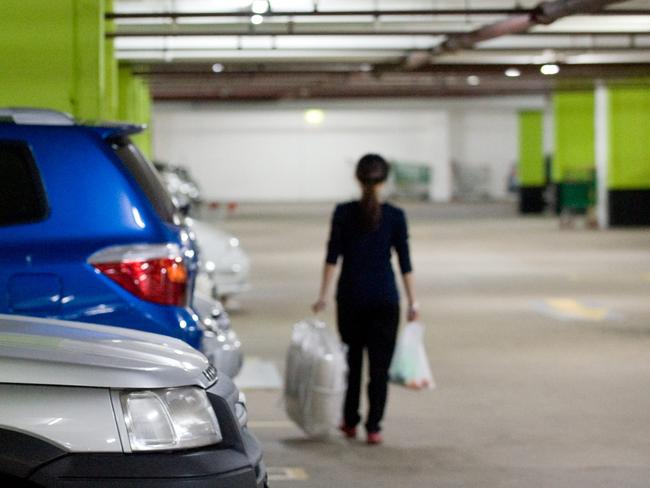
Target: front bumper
236, 462
223, 468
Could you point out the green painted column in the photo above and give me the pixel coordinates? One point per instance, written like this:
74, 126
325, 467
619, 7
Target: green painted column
111, 73
574, 134
90, 62
531, 170
37, 54
574, 162
629, 155
135, 105
53, 55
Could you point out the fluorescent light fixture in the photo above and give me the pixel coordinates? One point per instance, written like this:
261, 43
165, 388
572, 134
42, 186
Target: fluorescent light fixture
217, 67
314, 116
257, 19
549, 69
513, 72
260, 6
473, 80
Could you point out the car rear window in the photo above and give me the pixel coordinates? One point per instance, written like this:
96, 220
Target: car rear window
146, 176
22, 198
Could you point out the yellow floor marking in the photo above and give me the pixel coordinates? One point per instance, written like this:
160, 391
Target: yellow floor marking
287, 474
269, 424
573, 308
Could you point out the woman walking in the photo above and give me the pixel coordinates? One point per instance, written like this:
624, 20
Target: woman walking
364, 232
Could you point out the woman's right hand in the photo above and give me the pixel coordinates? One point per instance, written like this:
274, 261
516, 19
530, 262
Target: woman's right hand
413, 312
319, 306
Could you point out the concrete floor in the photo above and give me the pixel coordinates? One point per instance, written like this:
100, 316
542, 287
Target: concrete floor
526, 397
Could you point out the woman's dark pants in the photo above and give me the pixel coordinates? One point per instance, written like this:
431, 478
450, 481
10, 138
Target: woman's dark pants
373, 328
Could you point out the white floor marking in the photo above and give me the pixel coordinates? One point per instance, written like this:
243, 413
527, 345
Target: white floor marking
258, 374
287, 474
270, 424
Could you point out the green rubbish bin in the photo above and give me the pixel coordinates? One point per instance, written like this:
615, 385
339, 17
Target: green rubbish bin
578, 196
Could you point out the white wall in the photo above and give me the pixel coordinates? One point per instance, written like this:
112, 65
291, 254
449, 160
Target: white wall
267, 152
486, 138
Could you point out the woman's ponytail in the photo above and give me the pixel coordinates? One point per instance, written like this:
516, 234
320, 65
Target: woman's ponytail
372, 170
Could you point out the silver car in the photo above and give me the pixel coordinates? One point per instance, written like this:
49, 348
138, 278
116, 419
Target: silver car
95, 406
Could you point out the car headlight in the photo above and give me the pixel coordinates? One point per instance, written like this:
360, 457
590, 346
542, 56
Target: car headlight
241, 410
175, 418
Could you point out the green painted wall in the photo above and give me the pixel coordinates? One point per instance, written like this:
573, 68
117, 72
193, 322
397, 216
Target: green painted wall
531, 148
135, 105
629, 138
574, 134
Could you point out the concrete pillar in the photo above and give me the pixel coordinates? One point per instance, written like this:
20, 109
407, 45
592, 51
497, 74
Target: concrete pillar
629, 154
135, 106
574, 159
531, 170
601, 128
53, 55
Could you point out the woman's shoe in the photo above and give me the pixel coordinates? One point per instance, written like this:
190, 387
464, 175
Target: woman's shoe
375, 438
349, 432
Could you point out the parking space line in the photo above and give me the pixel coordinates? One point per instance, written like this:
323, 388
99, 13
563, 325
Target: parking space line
270, 424
563, 308
573, 308
258, 374
287, 474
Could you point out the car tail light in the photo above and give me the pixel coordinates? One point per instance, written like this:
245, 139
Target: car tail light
156, 273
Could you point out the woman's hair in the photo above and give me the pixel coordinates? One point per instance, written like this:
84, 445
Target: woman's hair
372, 170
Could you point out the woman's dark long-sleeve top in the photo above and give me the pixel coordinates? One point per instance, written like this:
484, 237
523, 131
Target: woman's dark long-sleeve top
367, 276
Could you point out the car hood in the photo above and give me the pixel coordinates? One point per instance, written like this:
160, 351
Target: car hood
55, 352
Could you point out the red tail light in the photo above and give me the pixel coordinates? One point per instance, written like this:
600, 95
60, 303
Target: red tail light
155, 273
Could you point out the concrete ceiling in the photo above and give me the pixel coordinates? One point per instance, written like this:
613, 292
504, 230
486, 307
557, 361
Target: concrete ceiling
202, 49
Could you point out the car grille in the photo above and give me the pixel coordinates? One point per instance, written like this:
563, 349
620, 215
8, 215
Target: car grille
210, 373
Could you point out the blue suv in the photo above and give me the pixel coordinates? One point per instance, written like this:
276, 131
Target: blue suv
87, 231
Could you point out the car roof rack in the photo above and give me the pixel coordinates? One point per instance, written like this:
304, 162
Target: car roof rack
35, 116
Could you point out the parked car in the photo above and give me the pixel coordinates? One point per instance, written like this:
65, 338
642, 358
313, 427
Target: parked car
184, 189
87, 230
224, 266
226, 354
90, 405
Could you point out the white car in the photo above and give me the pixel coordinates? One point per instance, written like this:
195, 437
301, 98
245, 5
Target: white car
222, 342
86, 405
224, 264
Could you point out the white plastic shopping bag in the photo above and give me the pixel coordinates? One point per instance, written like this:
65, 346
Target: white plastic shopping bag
315, 378
410, 365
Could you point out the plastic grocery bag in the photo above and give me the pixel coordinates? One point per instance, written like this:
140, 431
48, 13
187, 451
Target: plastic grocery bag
410, 365
315, 378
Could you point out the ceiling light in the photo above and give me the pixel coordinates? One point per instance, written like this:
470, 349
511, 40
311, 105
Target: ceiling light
260, 6
217, 67
549, 69
314, 116
257, 19
366, 67
513, 72
473, 80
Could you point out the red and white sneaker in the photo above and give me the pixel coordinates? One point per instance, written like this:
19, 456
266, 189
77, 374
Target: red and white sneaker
349, 432
375, 438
